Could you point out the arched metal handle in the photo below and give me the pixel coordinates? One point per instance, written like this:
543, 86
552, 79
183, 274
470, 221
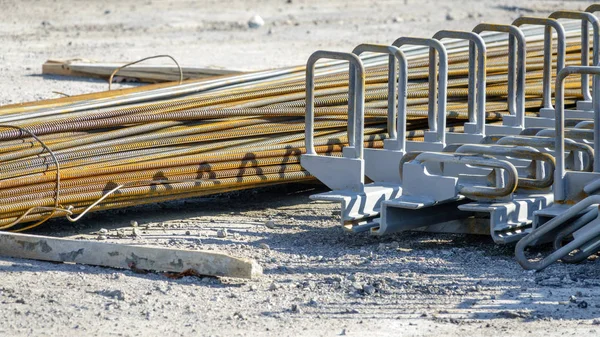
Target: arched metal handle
396, 118
356, 106
559, 181
561, 43
477, 74
585, 19
437, 91
516, 67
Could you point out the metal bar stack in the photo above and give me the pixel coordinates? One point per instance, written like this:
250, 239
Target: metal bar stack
455, 133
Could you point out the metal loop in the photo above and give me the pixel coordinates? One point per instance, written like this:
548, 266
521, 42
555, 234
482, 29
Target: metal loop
437, 91
356, 107
469, 191
552, 225
582, 254
396, 118
561, 43
516, 67
549, 143
476, 76
518, 152
585, 19
559, 181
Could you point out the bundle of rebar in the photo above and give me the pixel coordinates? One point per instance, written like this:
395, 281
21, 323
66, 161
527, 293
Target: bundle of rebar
123, 148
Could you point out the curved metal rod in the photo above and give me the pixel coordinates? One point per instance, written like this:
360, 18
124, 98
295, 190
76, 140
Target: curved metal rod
474, 192
110, 78
396, 118
582, 254
356, 107
550, 143
561, 44
585, 19
516, 67
519, 152
551, 225
559, 187
437, 91
476, 76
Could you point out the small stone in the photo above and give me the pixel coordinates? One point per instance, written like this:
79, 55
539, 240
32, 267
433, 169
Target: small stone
449, 17
273, 287
582, 305
264, 246
364, 253
270, 224
296, 308
103, 231
101, 237
551, 281
394, 245
106, 12
256, 22
573, 299
253, 287
222, 233
114, 294
133, 223
357, 286
369, 289
596, 322
397, 19
188, 233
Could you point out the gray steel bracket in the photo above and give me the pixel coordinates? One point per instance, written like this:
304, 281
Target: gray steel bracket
346, 172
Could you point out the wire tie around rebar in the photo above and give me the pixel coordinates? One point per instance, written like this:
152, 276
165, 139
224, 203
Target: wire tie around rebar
57, 207
110, 79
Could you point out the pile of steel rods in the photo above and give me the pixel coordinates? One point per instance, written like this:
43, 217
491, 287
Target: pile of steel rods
123, 148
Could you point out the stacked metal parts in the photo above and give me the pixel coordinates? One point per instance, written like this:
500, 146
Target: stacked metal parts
457, 131
533, 178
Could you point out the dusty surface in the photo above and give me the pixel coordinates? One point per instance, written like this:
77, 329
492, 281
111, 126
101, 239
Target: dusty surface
318, 280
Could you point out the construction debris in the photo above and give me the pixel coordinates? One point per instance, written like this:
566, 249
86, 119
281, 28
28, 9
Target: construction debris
139, 258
